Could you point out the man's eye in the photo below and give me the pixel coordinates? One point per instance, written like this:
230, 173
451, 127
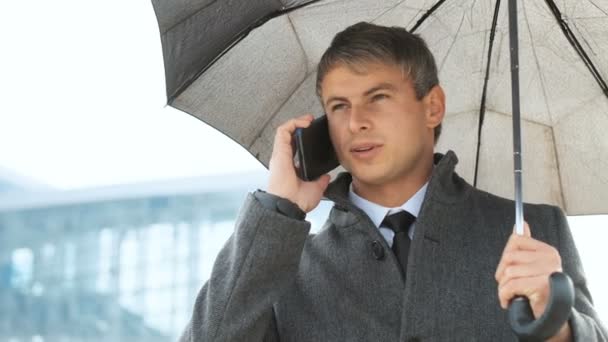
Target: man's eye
379, 97
338, 107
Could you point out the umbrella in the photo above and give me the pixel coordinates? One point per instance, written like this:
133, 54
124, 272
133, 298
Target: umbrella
244, 67
245, 74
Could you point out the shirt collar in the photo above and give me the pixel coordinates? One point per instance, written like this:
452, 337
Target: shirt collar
376, 212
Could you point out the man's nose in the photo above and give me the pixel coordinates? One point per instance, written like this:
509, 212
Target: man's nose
359, 119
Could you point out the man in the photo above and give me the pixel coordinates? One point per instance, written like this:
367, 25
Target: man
446, 277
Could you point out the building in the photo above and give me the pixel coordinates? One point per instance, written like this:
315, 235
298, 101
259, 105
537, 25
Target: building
115, 263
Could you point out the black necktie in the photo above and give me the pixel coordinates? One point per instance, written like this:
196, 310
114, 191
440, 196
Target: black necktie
400, 223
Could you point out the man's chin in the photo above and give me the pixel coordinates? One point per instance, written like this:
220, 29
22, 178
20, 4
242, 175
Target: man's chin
369, 175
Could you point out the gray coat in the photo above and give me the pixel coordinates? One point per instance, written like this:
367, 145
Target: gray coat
274, 281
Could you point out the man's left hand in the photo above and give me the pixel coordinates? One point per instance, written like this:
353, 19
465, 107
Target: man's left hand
524, 270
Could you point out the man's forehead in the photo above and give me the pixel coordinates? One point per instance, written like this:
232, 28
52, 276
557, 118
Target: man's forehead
366, 67
338, 79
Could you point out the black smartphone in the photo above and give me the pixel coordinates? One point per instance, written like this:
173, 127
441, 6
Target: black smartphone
314, 154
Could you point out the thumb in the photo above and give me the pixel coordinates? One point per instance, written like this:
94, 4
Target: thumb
322, 182
319, 185
527, 231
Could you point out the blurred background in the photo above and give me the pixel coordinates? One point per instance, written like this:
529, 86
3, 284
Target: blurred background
113, 207
114, 263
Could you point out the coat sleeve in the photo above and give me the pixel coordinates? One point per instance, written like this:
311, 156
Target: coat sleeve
257, 264
584, 321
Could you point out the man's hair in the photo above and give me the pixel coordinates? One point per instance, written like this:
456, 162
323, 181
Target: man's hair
364, 43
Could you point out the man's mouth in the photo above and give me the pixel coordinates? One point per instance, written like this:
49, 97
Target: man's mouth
365, 151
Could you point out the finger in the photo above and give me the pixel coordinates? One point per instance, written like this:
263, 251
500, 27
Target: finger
523, 243
510, 247
526, 250
527, 287
286, 130
309, 117
514, 257
291, 125
284, 133
534, 269
522, 249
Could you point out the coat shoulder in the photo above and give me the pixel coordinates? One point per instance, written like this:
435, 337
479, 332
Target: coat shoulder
544, 219
533, 209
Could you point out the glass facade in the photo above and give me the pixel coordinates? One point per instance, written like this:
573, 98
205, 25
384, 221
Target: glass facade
125, 269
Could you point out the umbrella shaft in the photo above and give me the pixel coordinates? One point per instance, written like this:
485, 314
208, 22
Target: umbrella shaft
514, 47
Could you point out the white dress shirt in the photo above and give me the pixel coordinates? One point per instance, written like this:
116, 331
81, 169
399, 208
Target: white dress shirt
377, 212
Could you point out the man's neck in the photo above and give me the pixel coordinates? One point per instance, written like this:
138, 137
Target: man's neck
394, 193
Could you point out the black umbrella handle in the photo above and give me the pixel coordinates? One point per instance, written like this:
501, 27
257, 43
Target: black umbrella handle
557, 312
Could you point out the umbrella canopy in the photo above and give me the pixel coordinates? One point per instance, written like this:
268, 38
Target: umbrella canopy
245, 67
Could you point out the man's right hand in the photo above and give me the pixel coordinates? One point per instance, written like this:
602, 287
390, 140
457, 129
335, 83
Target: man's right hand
283, 180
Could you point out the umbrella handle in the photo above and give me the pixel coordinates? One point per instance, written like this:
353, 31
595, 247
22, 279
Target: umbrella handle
557, 312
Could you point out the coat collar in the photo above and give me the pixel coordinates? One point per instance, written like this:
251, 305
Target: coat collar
439, 209
444, 217
445, 186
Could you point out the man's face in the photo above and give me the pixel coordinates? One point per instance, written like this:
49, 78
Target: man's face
379, 129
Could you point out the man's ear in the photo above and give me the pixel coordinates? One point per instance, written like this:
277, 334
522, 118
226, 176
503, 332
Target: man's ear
435, 102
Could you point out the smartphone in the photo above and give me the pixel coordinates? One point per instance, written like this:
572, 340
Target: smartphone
314, 154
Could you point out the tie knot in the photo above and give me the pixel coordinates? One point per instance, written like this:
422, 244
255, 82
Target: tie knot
399, 222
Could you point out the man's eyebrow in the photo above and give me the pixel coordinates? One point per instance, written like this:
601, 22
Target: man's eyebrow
381, 86
335, 98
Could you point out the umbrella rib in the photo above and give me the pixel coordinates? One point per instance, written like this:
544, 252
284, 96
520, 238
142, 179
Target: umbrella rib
295, 32
598, 7
189, 16
285, 10
538, 64
426, 15
544, 89
389, 9
445, 57
577, 46
482, 107
237, 38
559, 171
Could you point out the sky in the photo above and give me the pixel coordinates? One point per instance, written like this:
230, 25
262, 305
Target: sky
82, 104
83, 99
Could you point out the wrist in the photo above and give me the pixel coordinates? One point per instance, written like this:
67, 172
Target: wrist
280, 204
